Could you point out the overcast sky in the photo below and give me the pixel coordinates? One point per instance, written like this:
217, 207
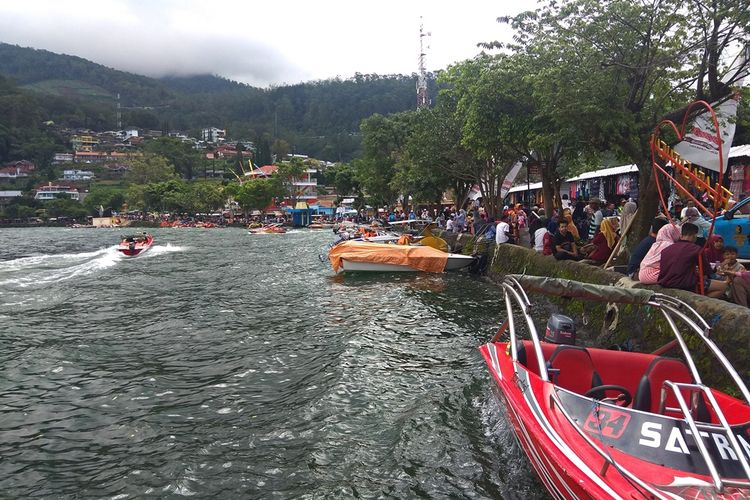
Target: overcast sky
260, 43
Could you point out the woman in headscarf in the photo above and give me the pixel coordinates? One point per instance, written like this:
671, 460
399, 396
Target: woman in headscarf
460, 222
568, 216
693, 216
580, 219
740, 287
626, 219
601, 246
649, 270
715, 248
628, 214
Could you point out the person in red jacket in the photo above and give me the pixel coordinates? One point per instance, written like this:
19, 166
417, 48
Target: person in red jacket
679, 261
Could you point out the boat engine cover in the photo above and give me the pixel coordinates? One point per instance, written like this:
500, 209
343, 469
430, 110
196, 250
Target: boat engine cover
561, 329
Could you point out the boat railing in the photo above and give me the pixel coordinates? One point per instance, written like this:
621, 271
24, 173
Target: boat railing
722, 427
609, 461
672, 308
512, 288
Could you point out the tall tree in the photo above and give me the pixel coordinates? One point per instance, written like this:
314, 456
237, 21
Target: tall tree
182, 155
288, 174
150, 169
382, 139
480, 110
616, 68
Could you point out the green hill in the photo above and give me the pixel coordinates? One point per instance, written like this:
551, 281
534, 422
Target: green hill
72, 89
31, 66
318, 118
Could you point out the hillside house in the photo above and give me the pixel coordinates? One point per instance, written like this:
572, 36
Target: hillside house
51, 191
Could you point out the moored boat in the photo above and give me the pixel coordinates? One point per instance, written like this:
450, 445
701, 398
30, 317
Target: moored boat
368, 256
605, 423
135, 245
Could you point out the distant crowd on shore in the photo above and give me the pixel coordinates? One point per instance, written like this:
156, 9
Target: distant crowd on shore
673, 255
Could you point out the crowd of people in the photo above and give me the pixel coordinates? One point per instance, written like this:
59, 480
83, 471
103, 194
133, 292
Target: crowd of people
674, 255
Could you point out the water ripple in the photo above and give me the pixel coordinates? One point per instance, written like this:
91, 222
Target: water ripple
222, 365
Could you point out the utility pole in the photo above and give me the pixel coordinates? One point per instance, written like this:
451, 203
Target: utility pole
422, 99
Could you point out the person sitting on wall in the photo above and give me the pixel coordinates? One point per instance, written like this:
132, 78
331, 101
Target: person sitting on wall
644, 246
538, 229
502, 231
677, 266
564, 244
595, 218
598, 251
693, 216
740, 289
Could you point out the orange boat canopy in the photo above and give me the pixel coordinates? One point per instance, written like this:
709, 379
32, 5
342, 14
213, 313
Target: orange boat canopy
419, 257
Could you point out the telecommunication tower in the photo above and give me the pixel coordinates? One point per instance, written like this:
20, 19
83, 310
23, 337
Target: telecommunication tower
119, 113
422, 99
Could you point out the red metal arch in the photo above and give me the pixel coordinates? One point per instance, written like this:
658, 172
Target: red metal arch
658, 169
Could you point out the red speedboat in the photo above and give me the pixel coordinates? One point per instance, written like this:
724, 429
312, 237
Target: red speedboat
599, 423
274, 228
135, 245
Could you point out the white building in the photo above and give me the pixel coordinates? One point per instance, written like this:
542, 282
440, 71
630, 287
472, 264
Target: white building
63, 158
52, 191
130, 132
78, 175
8, 196
214, 135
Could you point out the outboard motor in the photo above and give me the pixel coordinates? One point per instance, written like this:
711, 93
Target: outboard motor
561, 329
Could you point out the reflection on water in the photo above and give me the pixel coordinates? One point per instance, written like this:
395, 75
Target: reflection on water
223, 364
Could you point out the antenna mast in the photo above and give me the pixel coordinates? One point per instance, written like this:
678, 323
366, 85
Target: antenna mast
119, 113
422, 100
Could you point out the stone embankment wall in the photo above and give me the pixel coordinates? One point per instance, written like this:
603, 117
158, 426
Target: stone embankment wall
643, 325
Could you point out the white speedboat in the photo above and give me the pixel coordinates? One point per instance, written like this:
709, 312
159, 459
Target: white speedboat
378, 257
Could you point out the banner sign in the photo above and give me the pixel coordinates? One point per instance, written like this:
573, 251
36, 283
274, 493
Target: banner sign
700, 145
508, 181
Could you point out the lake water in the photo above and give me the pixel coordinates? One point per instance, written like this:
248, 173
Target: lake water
227, 365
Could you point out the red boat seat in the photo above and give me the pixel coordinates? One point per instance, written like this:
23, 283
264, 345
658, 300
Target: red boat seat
574, 369
660, 370
526, 355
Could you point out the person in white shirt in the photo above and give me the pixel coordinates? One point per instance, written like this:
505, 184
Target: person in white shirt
449, 225
502, 231
683, 212
539, 239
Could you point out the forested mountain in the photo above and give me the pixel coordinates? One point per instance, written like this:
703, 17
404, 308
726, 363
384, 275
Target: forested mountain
318, 118
32, 66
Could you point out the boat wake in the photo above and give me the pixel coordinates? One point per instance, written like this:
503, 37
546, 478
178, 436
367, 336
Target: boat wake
163, 249
41, 270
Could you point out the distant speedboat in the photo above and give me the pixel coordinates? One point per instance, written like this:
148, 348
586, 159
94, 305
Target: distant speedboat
133, 246
379, 257
268, 229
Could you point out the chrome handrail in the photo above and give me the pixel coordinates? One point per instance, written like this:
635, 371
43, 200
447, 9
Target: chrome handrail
672, 309
519, 297
607, 457
714, 350
694, 428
